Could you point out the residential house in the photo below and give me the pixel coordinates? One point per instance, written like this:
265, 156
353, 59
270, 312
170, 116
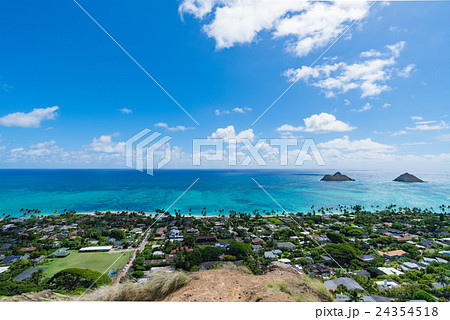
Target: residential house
390, 271
257, 241
320, 269
387, 284
349, 283
429, 244
392, 254
96, 249
60, 253
409, 266
200, 239
403, 238
366, 257
286, 245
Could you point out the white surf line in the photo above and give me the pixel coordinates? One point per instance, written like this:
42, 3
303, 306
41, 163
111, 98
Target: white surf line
137, 63
314, 240
312, 64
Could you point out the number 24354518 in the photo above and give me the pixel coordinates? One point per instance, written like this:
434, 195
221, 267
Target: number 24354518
407, 311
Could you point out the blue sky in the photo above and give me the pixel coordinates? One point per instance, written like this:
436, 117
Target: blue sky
378, 98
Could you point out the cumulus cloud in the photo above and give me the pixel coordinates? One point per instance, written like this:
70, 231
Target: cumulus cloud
356, 145
229, 133
173, 129
105, 144
369, 76
319, 123
32, 119
306, 25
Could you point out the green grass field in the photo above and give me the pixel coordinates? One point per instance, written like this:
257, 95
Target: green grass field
98, 261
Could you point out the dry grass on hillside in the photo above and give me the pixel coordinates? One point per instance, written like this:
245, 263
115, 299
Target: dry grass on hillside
159, 285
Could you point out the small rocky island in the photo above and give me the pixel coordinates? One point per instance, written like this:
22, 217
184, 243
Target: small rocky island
406, 177
336, 177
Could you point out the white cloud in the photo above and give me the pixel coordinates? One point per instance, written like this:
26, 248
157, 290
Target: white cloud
42, 145
104, 144
386, 105
218, 112
230, 133
242, 110
356, 145
319, 123
396, 48
416, 118
398, 133
369, 76
235, 110
365, 107
289, 128
428, 126
176, 128
406, 71
32, 119
126, 111
306, 25
426, 122
371, 53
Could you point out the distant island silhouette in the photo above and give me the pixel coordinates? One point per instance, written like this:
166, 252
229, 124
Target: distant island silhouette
406, 177
336, 177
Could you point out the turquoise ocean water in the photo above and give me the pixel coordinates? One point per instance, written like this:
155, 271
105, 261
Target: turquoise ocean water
295, 190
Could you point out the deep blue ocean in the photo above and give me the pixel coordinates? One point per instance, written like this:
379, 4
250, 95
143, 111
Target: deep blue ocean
295, 190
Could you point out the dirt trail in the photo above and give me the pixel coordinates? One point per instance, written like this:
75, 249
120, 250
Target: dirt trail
232, 285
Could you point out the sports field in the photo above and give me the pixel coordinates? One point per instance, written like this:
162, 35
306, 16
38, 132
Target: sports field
98, 261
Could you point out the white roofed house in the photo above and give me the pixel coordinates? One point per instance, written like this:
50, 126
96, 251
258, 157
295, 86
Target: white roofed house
387, 284
175, 234
408, 266
96, 249
390, 271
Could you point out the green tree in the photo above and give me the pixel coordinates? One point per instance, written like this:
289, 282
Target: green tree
423, 295
118, 234
239, 249
211, 253
75, 278
340, 251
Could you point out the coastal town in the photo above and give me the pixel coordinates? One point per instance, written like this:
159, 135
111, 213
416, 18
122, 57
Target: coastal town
360, 254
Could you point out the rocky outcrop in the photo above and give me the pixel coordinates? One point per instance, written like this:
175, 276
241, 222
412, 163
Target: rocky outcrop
336, 177
406, 177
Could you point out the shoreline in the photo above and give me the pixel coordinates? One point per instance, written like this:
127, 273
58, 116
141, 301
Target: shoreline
154, 214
